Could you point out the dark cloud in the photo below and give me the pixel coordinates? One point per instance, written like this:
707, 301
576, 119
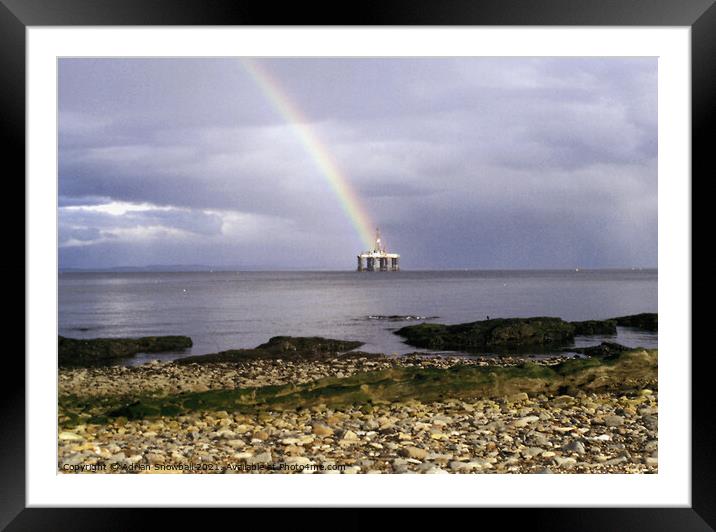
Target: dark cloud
464, 162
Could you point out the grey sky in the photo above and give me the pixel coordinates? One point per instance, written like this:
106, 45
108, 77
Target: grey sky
463, 162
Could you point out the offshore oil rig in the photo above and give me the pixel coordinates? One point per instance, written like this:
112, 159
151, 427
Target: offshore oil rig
378, 259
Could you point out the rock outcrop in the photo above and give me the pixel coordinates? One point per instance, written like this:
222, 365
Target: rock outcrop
491, 335
631, 370
648, 321
592, 327
78, 352
604, 349
285, 348
515, 334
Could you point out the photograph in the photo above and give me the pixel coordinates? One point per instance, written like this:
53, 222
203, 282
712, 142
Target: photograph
357, 265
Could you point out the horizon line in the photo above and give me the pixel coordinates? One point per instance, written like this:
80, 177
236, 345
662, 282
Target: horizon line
208, 269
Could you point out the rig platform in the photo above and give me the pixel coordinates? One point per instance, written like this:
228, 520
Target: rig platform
378, 259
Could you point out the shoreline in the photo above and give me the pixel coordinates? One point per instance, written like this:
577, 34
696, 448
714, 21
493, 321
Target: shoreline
589, 431
529, 338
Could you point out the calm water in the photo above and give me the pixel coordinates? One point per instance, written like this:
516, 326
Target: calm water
225, 310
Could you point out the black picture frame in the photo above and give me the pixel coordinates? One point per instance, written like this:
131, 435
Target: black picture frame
17, 15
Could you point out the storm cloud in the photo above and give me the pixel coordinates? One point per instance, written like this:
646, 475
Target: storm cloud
462, 162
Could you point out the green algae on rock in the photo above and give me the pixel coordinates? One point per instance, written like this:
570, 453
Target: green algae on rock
79, 352
648, 321
602, 350
494, 334
591, 327
285, 348
515, 334
632, 370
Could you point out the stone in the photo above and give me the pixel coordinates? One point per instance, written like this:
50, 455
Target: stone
297, 460
435, 470
616, 461
565, 461
532, 451
154, 458
651, 445
319, 429
459, 466
563, 429
294, 450
75, 459
69, 436
539, 438
519, 397
261, 458
651, 422
574, 447
613, 421
523, 422
349, 435
414, 452
563, 400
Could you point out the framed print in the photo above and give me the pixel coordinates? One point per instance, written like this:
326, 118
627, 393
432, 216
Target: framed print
413, 257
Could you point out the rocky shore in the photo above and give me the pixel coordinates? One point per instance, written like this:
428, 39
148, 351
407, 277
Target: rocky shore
82, 352
329, 413
178, 376
517, 334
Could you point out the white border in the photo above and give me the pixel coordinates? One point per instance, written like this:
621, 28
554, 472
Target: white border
671, 487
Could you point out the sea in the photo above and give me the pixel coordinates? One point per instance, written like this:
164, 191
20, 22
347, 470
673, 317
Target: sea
226, 310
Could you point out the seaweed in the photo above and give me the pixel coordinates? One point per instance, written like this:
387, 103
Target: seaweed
621, 372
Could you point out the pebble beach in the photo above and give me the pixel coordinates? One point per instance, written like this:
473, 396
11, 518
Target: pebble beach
584, 432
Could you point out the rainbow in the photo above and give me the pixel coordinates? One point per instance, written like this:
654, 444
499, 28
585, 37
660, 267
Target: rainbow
318, 151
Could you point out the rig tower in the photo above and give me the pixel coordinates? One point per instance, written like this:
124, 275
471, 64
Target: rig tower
378, 259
